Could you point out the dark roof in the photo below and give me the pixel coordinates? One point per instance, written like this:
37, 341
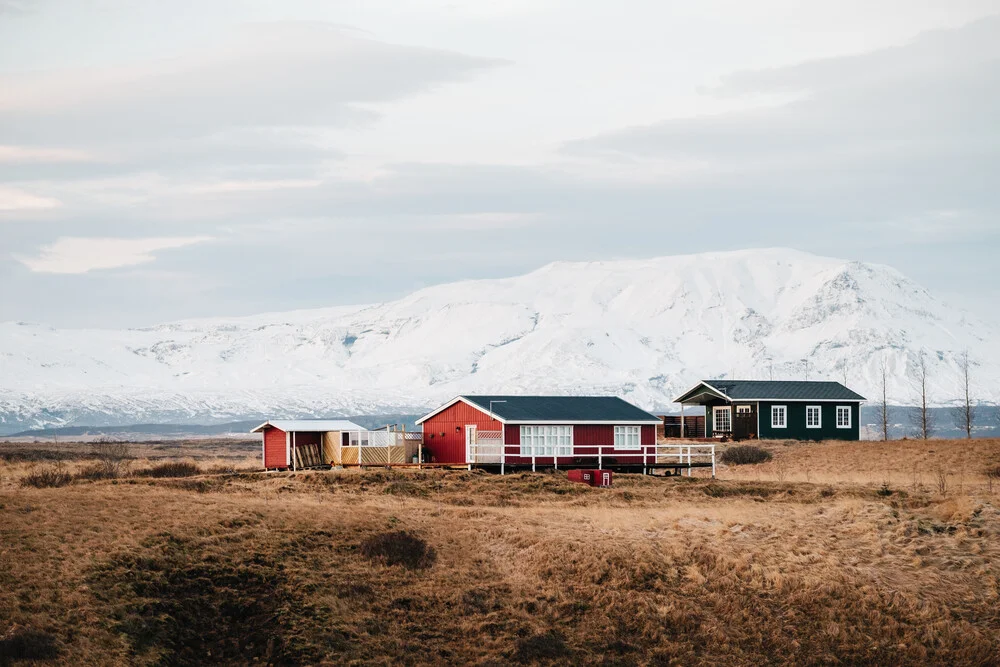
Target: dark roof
785, 390
563, 408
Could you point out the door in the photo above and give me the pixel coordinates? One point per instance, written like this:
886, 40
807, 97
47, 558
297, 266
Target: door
745, 424
470, 442
722, 421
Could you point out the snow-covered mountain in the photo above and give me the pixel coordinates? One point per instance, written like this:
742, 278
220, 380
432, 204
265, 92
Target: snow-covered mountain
642, 329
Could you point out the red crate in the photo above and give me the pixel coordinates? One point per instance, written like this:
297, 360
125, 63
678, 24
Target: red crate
590, 477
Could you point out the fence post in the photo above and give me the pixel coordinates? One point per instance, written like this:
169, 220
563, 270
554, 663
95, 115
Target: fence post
600, 462
503, 458
689, 460
645, 456
713, 461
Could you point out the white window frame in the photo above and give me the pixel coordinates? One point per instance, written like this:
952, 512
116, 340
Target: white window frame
842, 409
546, 440
628, 437
819, 413
715, 417
784, 416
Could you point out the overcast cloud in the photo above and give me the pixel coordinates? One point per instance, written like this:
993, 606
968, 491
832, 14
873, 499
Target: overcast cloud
161, 161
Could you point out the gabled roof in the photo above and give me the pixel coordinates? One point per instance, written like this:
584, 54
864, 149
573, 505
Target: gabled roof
554, 409
771, 390
310, 425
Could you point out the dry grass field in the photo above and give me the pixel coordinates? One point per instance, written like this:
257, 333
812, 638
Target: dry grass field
833, 553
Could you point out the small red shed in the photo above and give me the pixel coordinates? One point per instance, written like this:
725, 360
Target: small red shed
540, 431
281, 437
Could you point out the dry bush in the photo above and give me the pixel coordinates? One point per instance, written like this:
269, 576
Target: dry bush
47, 478
22, 643
941, 478
992, 476
745, 454
114, 457
399, 548
170, 469
539, 648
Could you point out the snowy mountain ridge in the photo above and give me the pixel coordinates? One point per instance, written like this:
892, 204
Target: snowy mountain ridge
641, 329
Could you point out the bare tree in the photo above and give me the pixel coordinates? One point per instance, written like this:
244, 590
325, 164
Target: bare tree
923, 419
883, 405
965, 414
114, 457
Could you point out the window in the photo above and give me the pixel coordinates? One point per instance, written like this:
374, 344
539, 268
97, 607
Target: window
814, 416
843, 416
546, 441
627, 437
778, 414
744, 409
722, 421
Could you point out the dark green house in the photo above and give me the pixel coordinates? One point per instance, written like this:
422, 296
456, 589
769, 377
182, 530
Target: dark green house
780, 409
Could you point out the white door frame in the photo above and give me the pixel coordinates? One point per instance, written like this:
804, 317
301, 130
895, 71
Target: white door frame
470, 433
722, 408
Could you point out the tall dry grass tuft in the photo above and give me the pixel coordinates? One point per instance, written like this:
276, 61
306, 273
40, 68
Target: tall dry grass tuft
44, 478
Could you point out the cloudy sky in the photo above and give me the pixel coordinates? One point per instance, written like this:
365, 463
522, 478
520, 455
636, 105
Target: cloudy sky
187, 158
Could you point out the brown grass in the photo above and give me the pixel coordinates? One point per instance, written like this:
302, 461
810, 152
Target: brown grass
242, 566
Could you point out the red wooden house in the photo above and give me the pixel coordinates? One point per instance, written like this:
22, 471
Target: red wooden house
540, 431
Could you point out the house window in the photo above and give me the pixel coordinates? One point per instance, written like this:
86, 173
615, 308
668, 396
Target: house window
722, 421
843, 416
627, 437
744, 409
814, 416
778, 416
546, 441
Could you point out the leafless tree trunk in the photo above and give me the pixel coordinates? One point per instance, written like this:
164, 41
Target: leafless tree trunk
883, 405
965, 414
924, 420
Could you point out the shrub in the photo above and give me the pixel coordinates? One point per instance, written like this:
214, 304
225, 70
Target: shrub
47, 478
114, 457
93, 473
172, 469
399, 548
22, 643
544, 647
745, 454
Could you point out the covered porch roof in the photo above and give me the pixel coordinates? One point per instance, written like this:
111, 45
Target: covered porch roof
702, 393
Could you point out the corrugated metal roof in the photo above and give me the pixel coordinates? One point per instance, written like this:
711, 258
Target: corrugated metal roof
785, 390
562, 408
310, 425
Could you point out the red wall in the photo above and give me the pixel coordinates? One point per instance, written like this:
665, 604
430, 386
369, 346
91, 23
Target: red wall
450, 448
585, 435
274, 448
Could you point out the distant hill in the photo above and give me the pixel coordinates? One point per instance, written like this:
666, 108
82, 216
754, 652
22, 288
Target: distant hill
171, 431
641, 329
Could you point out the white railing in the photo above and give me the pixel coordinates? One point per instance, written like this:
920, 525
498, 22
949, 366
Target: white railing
492, 450
488, 448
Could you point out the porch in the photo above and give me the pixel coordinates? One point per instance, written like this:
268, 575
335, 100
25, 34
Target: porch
325, 449
489, 451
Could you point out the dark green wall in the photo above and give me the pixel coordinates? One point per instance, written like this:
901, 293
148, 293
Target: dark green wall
796, 420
